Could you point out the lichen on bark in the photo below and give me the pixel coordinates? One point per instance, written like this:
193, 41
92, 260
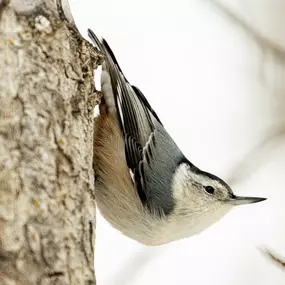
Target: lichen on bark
47, 207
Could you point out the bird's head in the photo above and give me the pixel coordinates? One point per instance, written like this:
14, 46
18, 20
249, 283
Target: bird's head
203, 197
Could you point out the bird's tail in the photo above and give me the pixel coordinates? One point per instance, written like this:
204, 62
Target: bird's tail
108, 104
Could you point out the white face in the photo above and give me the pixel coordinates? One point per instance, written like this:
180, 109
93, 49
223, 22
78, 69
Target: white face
201, 200
200, 192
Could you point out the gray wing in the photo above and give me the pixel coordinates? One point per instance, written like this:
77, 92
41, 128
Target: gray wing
151, 153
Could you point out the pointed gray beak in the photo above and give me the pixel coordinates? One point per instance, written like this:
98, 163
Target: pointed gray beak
239, 200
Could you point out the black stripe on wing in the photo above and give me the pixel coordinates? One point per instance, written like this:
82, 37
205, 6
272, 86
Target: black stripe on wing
146, 103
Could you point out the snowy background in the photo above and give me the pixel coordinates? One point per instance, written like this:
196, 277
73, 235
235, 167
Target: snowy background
219, 88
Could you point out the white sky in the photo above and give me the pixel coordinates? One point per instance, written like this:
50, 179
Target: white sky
214, 89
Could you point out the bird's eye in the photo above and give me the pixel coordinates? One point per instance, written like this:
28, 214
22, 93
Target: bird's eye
210, 189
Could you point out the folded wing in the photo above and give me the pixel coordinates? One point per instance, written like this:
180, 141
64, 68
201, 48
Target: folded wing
151, 153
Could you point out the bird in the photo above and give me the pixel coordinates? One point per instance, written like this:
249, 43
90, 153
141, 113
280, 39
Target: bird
145, 187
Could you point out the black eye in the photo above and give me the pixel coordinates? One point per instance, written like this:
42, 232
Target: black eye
210, 189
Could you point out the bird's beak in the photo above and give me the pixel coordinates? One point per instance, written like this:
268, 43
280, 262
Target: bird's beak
239, 200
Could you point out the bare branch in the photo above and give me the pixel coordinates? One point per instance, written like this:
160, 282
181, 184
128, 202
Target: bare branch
278, 260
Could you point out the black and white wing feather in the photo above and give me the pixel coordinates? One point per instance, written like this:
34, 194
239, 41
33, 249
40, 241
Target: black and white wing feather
151, 153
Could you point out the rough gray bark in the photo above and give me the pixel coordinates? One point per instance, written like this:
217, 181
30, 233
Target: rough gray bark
47, 208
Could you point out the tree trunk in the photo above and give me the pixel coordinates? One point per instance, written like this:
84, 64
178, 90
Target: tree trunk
47, 207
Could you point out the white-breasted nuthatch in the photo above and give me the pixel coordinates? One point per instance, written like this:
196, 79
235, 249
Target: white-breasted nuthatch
145, 187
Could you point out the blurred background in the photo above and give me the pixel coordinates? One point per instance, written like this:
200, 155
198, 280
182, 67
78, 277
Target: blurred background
214, 71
